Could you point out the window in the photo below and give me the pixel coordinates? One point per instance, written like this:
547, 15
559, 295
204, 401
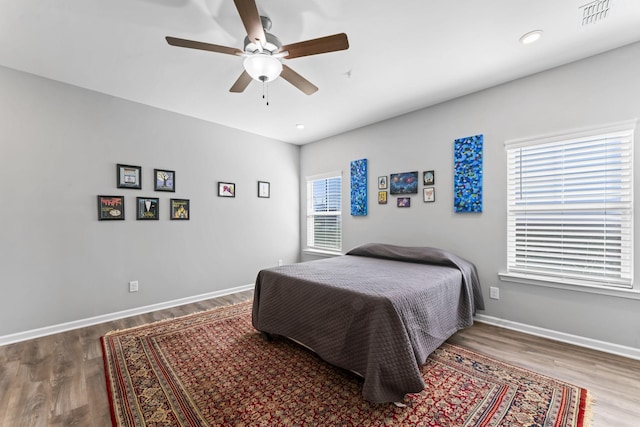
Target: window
570, 208
324, 212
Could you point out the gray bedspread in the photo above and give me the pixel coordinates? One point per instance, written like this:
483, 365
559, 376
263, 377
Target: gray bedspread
379, 310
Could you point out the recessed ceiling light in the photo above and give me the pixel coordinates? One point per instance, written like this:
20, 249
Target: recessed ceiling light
300, 126
531, 37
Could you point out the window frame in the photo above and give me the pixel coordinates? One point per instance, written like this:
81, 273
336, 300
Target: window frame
310, 245
592, 287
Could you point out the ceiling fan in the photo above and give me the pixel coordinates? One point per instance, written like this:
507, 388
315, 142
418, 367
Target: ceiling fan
263, 51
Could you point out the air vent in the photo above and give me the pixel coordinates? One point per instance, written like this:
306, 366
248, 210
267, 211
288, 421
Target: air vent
593, 12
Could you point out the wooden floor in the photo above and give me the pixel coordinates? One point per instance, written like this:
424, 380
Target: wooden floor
59, 380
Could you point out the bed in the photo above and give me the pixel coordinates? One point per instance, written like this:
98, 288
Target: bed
379, 310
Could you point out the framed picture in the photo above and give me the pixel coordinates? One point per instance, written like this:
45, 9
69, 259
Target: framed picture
226, 189
428, 178
110, 208
382, 197
264, 189
404, 183
382, 182
180, 209
429, 194
164, 180
404, 202
147, 208
129, 176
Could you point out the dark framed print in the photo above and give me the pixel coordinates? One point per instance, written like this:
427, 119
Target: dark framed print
110, 208
129, 176
382, 182
264, 189
429, 194
226, 189
428, 178
180, 209
147, 208
404, 183
404, 202
164, 180
382, 197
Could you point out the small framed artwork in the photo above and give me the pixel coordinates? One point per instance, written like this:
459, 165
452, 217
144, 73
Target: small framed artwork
382, 197
164, 180
404, 202
429, 194
180, 209
404, 183
428, 177
129, 176
110, 208
264, 189
382, 182
226, 189
147, 208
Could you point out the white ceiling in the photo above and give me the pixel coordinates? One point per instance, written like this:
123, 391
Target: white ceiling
404, 55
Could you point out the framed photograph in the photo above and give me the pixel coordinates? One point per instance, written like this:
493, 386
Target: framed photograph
382, 197
226, 189
129, 176
147, 208
180, 209
429, 194
404, 183
264, 189
164, 180
110, 208
404, 202
428, 178
382, 182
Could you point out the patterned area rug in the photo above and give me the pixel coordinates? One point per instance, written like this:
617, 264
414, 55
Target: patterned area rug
213, 369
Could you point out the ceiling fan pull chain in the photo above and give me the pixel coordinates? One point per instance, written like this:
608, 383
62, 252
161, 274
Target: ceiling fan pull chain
265, 84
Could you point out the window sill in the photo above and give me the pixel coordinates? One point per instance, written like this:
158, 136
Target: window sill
322, 252
592, 289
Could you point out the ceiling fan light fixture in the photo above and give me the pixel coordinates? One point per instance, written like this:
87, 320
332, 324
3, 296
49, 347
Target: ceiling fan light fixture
263, 67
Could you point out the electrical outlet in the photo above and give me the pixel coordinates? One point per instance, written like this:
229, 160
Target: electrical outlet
494, 292
133, 286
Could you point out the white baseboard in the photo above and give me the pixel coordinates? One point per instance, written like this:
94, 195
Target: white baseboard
620, 350
607, 347
62, 327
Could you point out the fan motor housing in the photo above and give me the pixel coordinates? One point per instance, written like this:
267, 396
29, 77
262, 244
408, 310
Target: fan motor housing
272, 45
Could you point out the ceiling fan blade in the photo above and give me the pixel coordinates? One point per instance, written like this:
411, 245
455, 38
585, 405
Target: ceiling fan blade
173, 41
251, 20
317, 46
298, 81
241, 84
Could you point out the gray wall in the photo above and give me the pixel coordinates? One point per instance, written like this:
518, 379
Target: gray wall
596, 91
58, 151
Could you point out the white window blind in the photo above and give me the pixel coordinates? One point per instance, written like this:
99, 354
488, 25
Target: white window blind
570, 209
324, 213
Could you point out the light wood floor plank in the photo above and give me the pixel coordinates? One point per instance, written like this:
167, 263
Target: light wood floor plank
59, 380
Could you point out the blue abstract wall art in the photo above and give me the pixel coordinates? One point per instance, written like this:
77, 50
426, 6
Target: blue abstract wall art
359, 187
467, 178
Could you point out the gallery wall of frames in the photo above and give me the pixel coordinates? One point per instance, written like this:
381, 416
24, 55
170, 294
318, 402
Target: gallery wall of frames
467, 171
112, 207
